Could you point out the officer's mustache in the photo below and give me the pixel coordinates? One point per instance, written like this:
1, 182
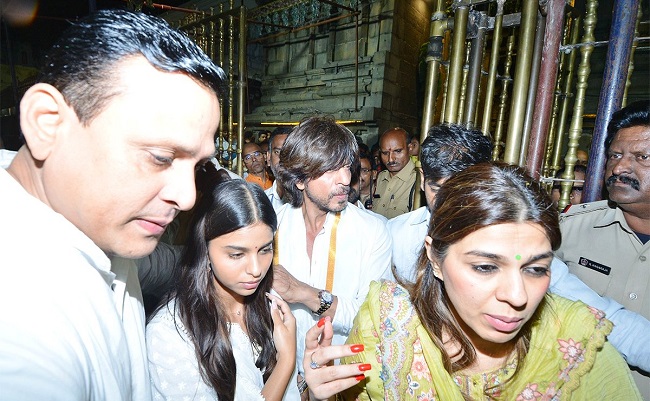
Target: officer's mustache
623, 180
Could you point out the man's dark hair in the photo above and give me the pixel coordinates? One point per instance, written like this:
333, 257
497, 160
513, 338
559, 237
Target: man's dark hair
449, 149
276, 132
633, 115
82, 62
317, 145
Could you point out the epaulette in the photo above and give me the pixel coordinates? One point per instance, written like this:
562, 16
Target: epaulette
582, 208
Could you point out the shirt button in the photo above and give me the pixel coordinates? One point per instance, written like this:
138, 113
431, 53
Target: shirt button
633, 295
642, 258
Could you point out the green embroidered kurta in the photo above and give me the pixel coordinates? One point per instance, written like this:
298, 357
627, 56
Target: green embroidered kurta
568, 359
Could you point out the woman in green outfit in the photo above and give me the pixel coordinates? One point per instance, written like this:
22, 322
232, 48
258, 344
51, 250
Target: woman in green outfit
478, 324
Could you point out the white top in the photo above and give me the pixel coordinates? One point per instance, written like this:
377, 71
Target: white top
362, 255
272, 193
175, 370
64, 334
408, 231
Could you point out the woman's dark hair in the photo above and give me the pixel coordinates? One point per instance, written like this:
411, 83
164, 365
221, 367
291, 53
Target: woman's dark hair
480, 196
225, 206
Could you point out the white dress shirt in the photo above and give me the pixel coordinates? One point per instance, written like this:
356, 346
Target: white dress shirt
65, 334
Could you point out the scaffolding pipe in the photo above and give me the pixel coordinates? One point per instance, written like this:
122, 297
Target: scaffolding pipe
474, 71
522, 81
545, 87
492, 71
456, 64
611, 93
532, 90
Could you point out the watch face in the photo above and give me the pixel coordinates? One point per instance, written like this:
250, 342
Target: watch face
327, 296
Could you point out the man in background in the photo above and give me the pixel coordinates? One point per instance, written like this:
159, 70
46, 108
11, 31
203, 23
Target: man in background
276, 141
255, 162
396, 185
124, 110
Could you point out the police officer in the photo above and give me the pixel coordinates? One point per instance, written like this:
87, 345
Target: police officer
607, 243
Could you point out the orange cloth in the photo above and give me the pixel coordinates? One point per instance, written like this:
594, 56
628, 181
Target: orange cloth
265, 183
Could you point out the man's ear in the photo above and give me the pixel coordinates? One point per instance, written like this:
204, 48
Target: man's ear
41, 111
300, 185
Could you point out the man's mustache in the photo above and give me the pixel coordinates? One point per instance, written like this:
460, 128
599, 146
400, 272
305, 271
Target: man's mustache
634, 183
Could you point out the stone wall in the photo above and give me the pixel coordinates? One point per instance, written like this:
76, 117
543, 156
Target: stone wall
314, 70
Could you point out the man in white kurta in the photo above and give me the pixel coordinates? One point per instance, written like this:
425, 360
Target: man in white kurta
327, 251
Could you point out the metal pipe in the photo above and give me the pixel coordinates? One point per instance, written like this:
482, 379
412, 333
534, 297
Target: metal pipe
575, 129
532, 90
242, 83
474, 71
505, 82
521, 82
456, 63
611, 92
564, 109
433, 60
630, 68
492, 72
545, 87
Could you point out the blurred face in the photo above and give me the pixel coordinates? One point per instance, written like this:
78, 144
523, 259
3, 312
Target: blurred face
394, 151
430, 188
494, 285
576, 192
365, 178
582, 157
254, 159
123, 178
276, 146
329, 192
241, 259
628, 168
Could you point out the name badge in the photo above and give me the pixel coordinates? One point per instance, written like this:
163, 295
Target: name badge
590, 264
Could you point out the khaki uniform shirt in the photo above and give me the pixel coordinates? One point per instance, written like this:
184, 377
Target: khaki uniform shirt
600, 248
394, 195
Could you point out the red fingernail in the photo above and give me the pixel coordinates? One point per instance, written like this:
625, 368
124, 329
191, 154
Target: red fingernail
364, 367
356, 347
360, 377
321, 322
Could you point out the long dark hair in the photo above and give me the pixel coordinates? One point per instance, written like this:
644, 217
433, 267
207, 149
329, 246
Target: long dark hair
227, 207
480, 196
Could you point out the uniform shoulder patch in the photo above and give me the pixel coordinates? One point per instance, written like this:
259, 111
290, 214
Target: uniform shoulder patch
583, 208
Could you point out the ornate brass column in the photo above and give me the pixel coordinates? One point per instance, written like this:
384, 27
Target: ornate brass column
575, 129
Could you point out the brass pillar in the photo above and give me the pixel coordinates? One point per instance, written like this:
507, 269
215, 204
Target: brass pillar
492, 72
434, 58
456, 63
505, 82
521, 82
575, 129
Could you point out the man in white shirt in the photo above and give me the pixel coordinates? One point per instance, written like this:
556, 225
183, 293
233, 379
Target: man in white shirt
327, 251
276, 141
124, 111
449, 149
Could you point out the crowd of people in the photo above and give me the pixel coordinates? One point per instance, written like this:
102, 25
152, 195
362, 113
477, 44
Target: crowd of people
312, 277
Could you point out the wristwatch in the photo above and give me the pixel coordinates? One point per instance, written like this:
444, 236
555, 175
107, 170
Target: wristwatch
326, 299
